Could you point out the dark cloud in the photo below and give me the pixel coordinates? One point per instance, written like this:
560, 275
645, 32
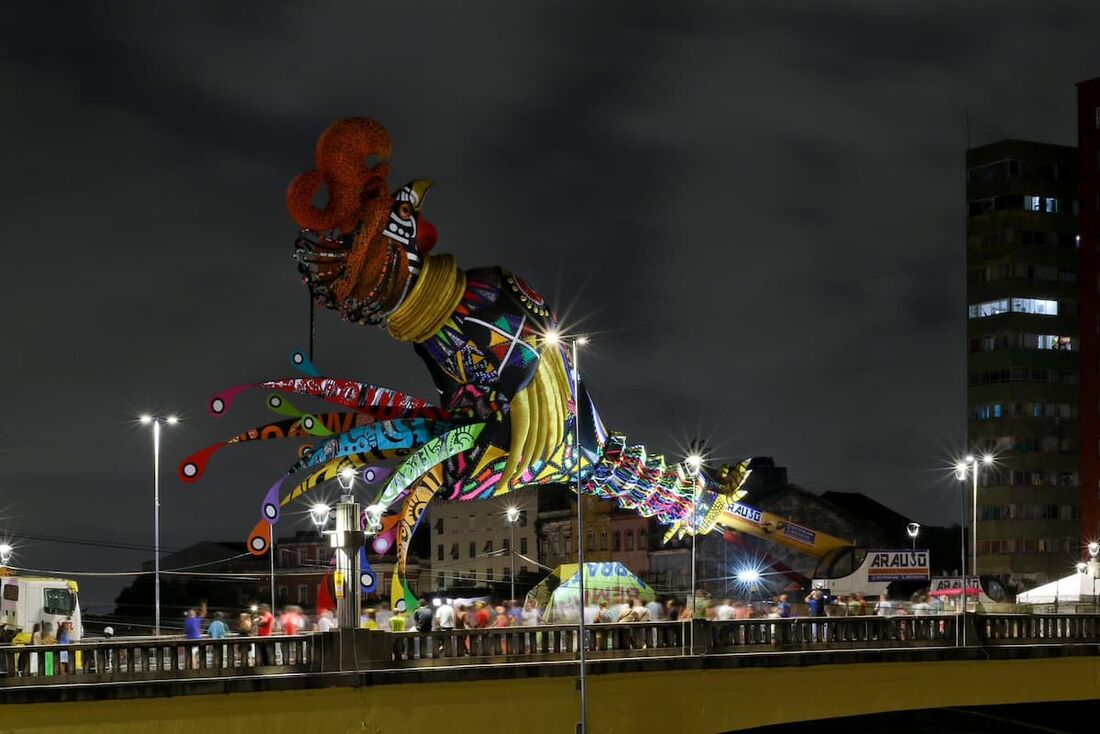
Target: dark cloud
776, 192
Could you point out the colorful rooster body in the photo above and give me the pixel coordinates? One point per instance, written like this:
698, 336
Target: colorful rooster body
512, 412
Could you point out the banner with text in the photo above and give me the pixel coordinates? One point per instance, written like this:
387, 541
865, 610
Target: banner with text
897, 565
954, 582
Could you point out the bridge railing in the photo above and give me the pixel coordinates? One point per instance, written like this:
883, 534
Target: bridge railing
144, 659
1015, 629
546, 642
830, 632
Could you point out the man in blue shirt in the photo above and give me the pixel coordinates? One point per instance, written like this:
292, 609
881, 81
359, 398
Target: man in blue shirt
192, 625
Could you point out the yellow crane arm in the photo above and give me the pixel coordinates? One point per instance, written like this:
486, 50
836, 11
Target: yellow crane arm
743, 518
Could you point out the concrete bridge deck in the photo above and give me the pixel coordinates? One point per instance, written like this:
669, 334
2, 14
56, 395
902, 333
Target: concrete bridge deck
644, 677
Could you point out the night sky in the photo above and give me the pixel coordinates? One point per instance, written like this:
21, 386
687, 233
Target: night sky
756, 213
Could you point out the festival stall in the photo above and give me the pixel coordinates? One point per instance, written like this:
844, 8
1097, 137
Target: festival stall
558, 594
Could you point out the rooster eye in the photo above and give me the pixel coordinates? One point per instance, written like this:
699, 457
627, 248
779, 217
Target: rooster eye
405, 210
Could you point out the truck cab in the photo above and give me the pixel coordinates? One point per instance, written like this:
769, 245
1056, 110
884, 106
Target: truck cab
27, 600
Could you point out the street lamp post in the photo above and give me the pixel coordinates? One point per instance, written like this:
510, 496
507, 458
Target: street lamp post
913, 529
513, 515
156, 421
553, 340
969, 465
694, 462
582, 728
346, 540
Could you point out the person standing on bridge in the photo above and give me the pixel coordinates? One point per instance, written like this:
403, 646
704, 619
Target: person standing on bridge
325, 621
816, 604
445, 617
422, 617
264, 628
481, 616
783, 608
292, 620
217, 629
192, 624
445, 623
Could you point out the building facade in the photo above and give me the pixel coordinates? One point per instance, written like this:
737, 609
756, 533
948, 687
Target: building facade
1023, 340
302, 560
471, 542
1088, 222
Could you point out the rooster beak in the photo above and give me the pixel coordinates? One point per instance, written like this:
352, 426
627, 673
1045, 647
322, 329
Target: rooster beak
419, 190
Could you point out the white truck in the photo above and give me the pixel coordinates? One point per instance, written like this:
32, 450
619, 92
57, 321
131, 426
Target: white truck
27, 600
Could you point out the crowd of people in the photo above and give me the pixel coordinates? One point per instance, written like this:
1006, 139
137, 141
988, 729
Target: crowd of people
433, 615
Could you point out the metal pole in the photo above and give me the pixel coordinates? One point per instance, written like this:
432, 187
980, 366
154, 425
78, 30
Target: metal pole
512, 560
347, 562
272, 559
694, 518
156, 523
962, 556
974, 531
582, 727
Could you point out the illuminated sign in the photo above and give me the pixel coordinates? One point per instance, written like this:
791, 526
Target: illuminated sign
897, 565
750, 514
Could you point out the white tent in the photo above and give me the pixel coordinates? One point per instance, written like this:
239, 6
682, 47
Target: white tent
1078, 588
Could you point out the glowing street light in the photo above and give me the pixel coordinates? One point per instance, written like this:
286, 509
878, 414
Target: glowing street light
913, 530
319, 514
5, 553
346, 477
156, 421
1082, 567
748, 575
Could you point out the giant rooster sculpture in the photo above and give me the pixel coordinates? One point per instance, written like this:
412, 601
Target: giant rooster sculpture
512, 410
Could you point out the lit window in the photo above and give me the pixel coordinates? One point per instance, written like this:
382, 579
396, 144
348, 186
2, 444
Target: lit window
1033, 203
998, 410
1057, 343
1037, 306
989, 308
1051, 205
